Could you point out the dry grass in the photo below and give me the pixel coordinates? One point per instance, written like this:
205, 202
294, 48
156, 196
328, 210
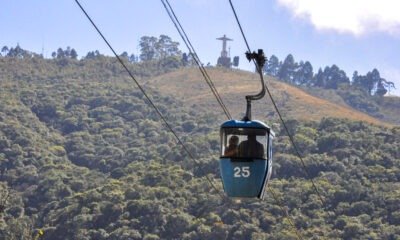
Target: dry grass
294, 103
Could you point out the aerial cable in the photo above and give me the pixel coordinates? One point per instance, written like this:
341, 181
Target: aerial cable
280, 116
298, 234
195, 57
148, 98
193, 53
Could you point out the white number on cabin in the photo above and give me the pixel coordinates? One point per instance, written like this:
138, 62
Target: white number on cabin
241, 172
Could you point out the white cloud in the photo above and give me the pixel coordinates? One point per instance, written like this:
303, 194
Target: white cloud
348, 16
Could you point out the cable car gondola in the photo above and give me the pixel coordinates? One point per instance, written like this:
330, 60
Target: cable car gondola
246, 149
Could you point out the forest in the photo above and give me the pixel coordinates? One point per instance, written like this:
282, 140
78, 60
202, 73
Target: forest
83, 156
161, 54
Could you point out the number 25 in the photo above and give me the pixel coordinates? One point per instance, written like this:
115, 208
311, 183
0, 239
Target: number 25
241, 172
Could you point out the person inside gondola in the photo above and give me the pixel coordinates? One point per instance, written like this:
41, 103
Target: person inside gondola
251, 148
232, 149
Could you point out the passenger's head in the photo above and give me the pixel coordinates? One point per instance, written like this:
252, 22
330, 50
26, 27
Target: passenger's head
234, 140
251, 137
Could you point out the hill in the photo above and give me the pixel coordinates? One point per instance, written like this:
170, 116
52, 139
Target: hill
83, 156
188, 84
390, 108
385, 108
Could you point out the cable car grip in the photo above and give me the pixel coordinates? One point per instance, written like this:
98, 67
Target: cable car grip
260, 60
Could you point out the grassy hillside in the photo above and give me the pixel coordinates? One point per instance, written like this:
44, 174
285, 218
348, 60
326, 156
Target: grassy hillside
390, 108
233, 85
385, 108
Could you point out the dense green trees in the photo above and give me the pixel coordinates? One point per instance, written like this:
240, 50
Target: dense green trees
152, 48
287, 70
330, 78
363, 92
304, 73
18, 52
372, 83
272, 66
67, 53
82, 156
4, 50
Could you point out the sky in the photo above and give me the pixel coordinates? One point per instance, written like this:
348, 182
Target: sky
356, 35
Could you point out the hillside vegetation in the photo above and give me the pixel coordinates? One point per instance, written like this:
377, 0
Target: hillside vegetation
188, 84
83, 156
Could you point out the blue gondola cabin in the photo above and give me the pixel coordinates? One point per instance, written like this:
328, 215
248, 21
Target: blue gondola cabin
246, 158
